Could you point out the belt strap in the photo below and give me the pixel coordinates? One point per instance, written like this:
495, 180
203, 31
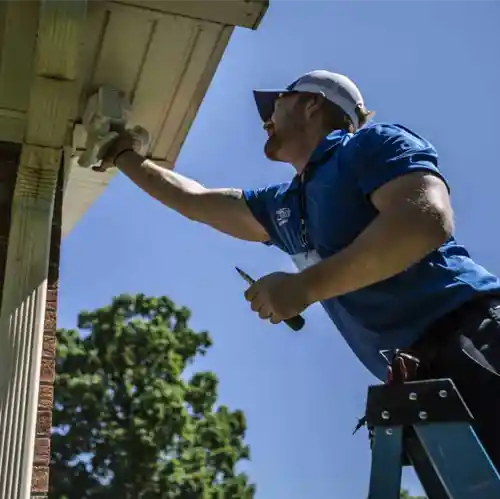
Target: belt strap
475, 310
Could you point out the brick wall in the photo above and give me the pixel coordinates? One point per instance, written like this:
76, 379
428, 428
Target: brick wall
40, 480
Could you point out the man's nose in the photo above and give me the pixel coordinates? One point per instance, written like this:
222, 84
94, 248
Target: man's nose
268, 124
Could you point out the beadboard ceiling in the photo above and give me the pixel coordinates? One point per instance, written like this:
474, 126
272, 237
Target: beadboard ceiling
162, 54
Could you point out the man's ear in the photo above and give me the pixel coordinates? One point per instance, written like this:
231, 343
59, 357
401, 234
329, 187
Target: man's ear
314, 104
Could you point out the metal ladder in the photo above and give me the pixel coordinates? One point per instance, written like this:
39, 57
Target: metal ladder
426, 424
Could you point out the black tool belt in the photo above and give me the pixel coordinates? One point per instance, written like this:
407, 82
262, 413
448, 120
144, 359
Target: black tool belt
468, 316
408, 364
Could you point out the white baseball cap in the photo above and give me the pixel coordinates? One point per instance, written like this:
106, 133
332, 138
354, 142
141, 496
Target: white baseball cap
335, 87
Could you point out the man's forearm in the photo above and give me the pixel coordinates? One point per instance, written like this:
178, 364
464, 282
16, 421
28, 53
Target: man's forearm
180, 193
222, 209
388, 246
166, 186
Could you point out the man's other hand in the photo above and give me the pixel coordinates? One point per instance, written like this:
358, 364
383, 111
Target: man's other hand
278, 296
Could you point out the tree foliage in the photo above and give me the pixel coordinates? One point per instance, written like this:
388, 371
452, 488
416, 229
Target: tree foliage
406, 495
127, 424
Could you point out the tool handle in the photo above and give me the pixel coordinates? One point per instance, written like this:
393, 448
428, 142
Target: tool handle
296, 323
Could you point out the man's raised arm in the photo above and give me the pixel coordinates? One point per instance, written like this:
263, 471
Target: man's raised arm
222, 209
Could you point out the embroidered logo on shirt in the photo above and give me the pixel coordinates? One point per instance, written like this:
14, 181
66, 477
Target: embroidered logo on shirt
282, 216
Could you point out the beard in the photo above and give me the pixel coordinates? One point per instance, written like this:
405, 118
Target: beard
278, 144
272, 147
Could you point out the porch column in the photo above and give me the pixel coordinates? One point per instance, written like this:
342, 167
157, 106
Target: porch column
52, 101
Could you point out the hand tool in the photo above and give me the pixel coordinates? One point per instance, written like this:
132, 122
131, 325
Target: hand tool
296, 323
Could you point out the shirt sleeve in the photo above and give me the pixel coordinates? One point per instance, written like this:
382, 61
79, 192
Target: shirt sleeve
384, 152
263, 203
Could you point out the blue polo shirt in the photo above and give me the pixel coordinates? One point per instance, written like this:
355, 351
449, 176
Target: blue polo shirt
342, 173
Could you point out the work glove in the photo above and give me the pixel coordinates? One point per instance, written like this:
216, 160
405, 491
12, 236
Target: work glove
135, 139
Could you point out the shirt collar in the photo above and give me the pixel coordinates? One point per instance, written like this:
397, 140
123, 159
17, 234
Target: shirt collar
325, 146
320, 154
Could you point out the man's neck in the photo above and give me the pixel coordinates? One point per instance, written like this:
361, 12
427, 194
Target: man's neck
305, 148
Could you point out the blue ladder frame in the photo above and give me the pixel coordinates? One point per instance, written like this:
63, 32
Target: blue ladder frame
426, 424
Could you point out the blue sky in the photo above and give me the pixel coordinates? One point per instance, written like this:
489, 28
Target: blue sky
428, 65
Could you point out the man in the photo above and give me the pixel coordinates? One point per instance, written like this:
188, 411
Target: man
368, 221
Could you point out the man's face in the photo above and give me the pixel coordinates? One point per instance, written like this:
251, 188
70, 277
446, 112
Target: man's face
285, 127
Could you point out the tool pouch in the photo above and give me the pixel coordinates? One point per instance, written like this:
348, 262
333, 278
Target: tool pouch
404, 367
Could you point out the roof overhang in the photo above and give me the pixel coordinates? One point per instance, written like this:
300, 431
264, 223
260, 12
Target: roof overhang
162, 54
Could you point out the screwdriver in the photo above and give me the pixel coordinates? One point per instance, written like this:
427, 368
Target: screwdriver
296, 323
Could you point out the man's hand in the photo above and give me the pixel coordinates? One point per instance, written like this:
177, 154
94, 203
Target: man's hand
278, 296
125, 141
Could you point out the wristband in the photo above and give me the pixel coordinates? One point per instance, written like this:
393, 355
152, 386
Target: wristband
115, 159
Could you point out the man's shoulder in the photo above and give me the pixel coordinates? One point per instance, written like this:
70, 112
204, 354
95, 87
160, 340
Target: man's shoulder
384, 131
267, 192
389, 136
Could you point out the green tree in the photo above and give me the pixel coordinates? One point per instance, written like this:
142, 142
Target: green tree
128, 424
406, 495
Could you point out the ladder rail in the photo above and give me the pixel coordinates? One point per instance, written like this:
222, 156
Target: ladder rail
419, 460
386, 470
459, 460
427, 425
